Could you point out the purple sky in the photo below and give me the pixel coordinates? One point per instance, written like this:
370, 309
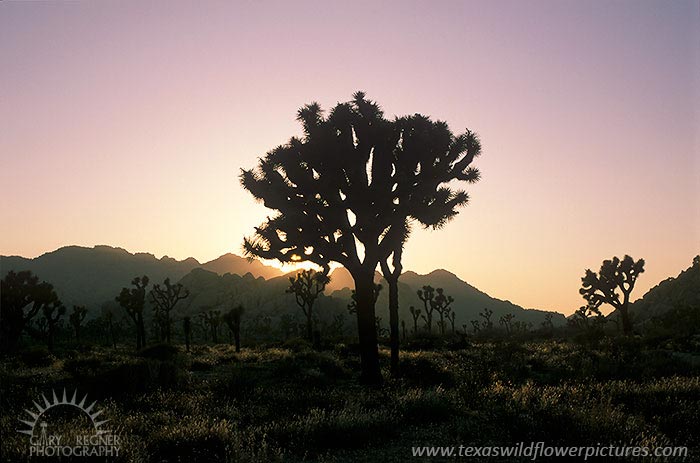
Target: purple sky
126, 123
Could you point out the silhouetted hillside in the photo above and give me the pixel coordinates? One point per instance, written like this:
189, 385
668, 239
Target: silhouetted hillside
672, 293
92, 276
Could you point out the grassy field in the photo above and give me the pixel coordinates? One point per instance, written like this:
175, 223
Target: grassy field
293, 403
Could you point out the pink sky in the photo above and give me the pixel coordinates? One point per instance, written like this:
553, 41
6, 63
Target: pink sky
126, 123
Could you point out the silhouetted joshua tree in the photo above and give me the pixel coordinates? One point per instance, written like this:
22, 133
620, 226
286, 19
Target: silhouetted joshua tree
486, 315
548, 324
602, 288
164, 300
403, 329
357, 178
476, 326
583, 316
415, 313
506, 320
187, 329
232, 318
52, 313
133, 300
427, 295
211, 319
451, 316
76, 319
441, 304
306, 286
22, 297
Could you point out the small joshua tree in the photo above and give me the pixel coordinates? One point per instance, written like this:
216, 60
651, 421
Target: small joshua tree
486, 315
415, 314
441, 304
548, 324
133, 300
187, 328
403, 329
211, 319
76, 319
427, 295
52, 313
232, 318
614, 277
506, 320
451, 316
306, 286
476, 326
164, 299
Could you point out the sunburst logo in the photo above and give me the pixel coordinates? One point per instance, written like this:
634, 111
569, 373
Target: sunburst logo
99, 442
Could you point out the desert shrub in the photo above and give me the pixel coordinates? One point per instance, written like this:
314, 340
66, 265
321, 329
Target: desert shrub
162, 352
297, 344
425, 406
191, 439
201, 365
425, 369
36, 356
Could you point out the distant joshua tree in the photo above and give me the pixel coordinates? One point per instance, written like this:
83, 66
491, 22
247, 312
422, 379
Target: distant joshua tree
187, 328
415, 314
451, 316
164, 300
427, 295
76, 319
506, 320
211, 319
52, 314
358, 178
486, 315
306, 286
232, 318
133, 300
548, 324
614, 277
22, 297
441, 304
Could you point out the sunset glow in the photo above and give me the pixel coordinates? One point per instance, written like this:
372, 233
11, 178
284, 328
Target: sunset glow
127, 123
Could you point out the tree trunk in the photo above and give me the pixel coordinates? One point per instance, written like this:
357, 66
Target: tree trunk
309, 326
394, 323
237, 338
626, 321
366, 328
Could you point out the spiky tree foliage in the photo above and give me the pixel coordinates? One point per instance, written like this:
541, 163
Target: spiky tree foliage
344, 192
22, 297
76, 319
587, 317
613, 285
133, 300
476, 326
415, 314
52, 314
548, 324
164, 300
427, 295
232, 318
307, 286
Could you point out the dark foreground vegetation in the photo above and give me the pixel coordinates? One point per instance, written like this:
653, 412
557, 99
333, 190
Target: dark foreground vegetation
294, 403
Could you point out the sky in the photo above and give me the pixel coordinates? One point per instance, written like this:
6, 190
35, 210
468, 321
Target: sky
126, 123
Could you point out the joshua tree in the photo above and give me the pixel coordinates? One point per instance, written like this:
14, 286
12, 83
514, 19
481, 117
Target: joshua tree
506, 320
476, 326
21, 298
232, 318
133, 300
548, 324
602, 288
415, 313
403, 329
581, 318
427, 295
306, 286
76, 319
52, 313
486, 315
356, 178
164, 300
451, 316
211, 319
187, 328
441, 304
